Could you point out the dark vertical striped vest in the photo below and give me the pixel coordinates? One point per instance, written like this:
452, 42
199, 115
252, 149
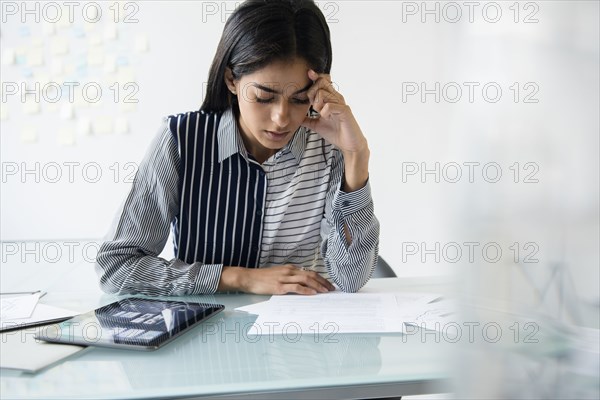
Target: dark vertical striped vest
221, 203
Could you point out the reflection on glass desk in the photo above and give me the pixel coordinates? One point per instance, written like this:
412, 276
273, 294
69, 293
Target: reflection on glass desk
218, 358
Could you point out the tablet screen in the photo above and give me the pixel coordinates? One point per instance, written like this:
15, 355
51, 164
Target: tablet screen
144, 324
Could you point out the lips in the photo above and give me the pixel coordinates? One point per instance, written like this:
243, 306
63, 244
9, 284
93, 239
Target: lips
276, 136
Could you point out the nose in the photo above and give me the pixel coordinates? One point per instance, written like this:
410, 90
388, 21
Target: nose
280, 114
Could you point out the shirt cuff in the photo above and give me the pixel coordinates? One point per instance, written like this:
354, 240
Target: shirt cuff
207, 278
353, 202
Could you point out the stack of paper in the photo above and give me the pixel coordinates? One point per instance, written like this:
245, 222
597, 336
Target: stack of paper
21, 306
20, 311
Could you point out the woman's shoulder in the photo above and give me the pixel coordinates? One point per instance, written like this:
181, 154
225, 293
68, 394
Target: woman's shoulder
195, 121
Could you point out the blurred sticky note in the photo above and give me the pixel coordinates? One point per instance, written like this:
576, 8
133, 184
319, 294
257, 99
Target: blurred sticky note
70, 68
31, 107
125, 75
24, 31
66, 111
78, 32
141, 43
89, 27
84, 126
95, 39
122, 61
95, 56
8, 56
110, 32
66, 136
27, 72
28, 134
57, 66
35, 57
37, 42
60, 45
48, 29
3, 112
102, 125
121, 125
110, 63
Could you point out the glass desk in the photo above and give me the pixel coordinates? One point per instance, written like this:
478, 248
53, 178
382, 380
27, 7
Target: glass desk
217, 359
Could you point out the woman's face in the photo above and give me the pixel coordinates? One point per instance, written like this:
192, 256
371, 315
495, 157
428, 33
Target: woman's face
273, 103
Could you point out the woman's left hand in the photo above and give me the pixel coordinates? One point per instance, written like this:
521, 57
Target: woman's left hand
336, 124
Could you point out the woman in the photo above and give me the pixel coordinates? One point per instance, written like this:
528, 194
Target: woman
253, 180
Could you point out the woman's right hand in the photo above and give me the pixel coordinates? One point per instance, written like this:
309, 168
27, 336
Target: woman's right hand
279, 279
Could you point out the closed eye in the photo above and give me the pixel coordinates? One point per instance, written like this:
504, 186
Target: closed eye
301, 101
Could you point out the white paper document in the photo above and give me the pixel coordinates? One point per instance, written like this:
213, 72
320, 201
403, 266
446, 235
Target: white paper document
22, 306
334, 312
42, 313
20, 350
433, 316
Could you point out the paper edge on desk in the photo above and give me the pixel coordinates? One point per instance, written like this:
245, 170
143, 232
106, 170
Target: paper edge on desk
43, 314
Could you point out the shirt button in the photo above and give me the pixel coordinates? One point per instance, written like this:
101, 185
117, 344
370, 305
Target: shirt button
346, 203
259, 212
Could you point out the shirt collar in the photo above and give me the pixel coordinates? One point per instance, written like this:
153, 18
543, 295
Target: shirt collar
228, 137
230, 140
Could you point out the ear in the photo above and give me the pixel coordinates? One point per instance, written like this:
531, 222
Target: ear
229, 81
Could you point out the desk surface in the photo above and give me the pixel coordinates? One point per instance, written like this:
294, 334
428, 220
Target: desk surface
217, 358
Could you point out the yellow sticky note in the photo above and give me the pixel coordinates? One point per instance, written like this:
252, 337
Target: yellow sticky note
3, 112
31, 107
95, 56
95, 39
8, 56
110, 32
121, 125
60, 45
125, 75
141, 43
29, 135
37, 42
66, 136
110, 63
66, 111
102, 125
48, 29
57, 66
35, 57
84, 126
20, 51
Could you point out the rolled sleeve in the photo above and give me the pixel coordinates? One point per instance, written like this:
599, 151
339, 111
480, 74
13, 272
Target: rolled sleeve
350, 265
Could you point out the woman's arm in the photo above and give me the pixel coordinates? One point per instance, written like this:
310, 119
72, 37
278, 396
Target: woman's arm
128, 261
350, 231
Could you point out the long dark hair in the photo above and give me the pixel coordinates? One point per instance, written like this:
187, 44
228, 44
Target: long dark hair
260, 32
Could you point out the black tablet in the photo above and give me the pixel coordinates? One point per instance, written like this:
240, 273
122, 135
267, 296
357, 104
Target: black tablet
133, 323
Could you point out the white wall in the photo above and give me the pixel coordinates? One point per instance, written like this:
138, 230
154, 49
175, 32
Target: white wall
380, 49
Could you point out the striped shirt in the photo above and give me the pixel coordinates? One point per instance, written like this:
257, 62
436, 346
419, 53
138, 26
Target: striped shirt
226, 209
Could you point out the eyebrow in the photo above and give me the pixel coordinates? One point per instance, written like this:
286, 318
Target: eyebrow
269, 90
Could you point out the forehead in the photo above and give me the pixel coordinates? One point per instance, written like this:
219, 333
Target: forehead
280, 73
